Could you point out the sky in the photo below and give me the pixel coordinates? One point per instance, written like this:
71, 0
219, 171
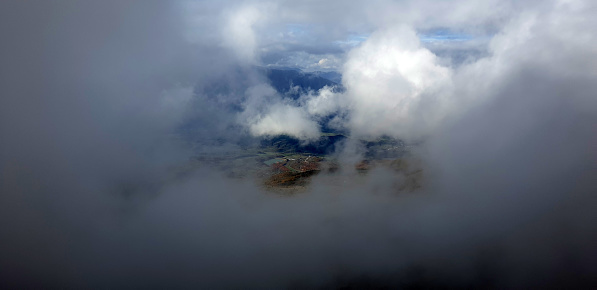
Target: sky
499, 95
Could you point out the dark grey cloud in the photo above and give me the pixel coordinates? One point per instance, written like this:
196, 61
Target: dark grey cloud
94, 96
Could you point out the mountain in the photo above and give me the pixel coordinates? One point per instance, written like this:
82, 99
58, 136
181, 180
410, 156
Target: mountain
293, 82
289, 82
223, 95
329, 75
283, 143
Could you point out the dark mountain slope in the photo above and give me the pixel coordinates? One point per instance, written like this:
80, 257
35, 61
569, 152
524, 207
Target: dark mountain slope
293, 83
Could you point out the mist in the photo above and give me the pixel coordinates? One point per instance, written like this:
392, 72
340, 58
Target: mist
105, 107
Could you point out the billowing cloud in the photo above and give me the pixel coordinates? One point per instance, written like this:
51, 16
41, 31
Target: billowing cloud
395, 86
285, 119
265, 114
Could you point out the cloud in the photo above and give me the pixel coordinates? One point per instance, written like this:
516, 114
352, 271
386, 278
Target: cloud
323, 102
267, 114
239, 34
388, 79
285, 119
91, 153
394, 86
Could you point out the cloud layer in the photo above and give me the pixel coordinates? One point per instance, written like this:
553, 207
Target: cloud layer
104, 103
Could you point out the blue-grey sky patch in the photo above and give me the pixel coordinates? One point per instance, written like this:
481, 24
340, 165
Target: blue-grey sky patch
352, 41
444, 35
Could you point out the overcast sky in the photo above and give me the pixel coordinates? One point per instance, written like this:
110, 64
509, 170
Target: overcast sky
500, 95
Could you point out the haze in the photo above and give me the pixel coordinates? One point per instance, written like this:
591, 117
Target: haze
113, 112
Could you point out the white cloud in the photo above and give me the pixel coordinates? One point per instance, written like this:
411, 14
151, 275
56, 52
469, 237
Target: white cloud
395, 86
239, 32
266, 114
323, 102
285, 119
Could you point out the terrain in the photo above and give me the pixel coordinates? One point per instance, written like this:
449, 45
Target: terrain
285, 164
